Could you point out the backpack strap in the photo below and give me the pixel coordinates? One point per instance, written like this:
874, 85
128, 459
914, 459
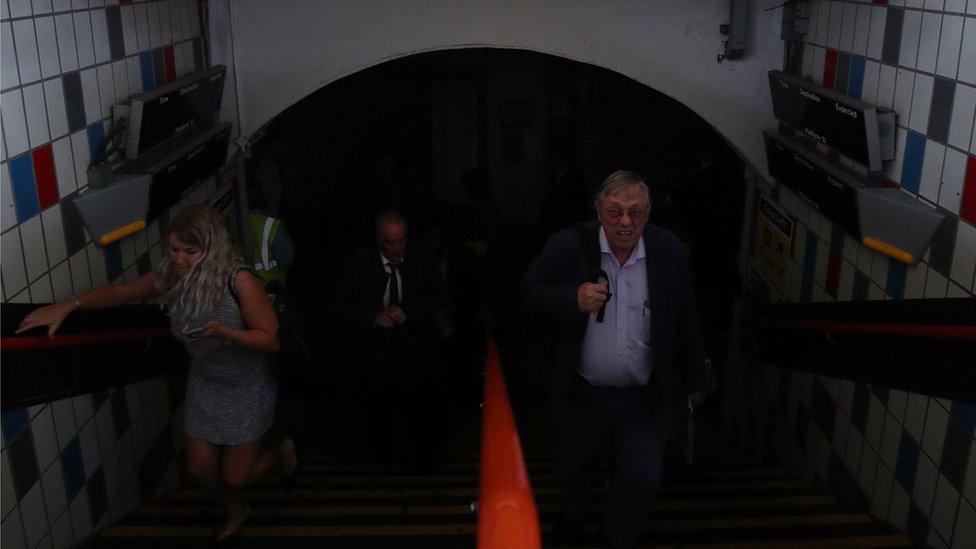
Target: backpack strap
590, 242
230, 283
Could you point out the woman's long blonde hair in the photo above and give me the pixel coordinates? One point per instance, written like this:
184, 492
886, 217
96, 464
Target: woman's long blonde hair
198, 290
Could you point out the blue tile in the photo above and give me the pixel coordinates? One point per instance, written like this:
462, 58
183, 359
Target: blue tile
96, 132
907, 464
146, 67
911, 169
13, 421
72, 469
897, 273
25, 188
856, 85
113, 260
965, 414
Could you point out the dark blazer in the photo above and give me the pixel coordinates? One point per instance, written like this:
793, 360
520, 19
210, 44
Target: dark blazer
550, 287
359, 290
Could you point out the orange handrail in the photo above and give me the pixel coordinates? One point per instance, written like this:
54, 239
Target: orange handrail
34, 343
507, 515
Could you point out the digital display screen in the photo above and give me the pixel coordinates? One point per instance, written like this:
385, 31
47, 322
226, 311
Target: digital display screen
832, 192
194, 162
173, 109
841, 123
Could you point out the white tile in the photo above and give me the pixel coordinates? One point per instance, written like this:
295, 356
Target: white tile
963, 109
931, 176
890, 440
964, 535
8, 212
61, 5
964, 258
20, 8
64, 421
79, 4
106, 90
34, 515
80, 278
935, 429
862, 29
14, 122
879, 269
40, 290
950, 38
56, 115
54, 494
121, 79
81, 515
874, 426
165, 26
36, 111
142, 27
128, 247
96, 259
61, 281
866, 471
4, 14
35, 256
129, 30
90, 453
41, 6
152, 16
934, 4
26, 44
898, 508
62, 533
944, 507
911, 29
9, 76
54, 235
879, 15
915, 281
45, 438
175, 20
14, 273
955, 6
886, 87
926, 475
82, 156
89, 91
848, 20
967, 53
953, 178
928, 46
83, 409
106, 428
956, 290
83, 39
67, 47
103, 51
47, 47
818, 64
904, 85
192, 17
64, 166
135, 75
12, 534
913, 3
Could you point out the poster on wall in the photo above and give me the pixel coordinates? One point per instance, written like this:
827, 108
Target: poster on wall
774, 237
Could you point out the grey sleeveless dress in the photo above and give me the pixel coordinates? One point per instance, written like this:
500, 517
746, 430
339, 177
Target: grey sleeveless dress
230, 391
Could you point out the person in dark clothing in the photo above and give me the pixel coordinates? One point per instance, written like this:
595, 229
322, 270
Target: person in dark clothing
385, 298
620, 294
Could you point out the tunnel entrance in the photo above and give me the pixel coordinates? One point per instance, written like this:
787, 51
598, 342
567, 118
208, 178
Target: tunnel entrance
487, 151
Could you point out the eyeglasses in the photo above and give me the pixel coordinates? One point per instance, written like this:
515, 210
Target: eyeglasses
636, 214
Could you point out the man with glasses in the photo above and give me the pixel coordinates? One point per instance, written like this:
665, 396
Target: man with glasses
621, 295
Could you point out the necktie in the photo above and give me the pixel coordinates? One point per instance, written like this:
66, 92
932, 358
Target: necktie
394, 287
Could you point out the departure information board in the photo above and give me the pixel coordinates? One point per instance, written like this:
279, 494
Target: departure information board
849, 125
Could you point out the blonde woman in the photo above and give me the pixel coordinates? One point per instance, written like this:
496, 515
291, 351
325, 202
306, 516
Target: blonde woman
231, 390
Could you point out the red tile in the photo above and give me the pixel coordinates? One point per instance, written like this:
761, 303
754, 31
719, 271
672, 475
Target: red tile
170, 64
967, 210
47, 184
833, 272
830, 69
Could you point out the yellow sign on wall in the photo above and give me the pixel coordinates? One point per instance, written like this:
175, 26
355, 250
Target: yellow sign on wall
774, 236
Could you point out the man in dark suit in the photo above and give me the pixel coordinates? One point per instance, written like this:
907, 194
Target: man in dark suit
385, 299
621, 296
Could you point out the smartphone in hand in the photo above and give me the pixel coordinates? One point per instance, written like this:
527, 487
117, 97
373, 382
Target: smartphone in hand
191, 332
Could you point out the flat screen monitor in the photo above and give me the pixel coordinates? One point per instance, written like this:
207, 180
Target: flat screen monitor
854, 128
159, 115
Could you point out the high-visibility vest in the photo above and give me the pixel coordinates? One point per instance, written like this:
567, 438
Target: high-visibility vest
264, 229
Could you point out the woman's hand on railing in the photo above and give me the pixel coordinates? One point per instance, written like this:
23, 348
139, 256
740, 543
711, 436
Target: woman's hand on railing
49, 315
